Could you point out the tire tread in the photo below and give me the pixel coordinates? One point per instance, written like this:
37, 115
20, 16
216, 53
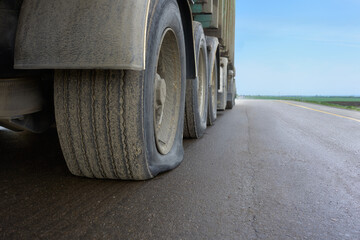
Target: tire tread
89, 125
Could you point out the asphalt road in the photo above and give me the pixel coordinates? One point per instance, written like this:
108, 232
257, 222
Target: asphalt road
266, 170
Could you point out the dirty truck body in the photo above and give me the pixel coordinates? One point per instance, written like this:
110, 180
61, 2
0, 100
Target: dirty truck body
124, 81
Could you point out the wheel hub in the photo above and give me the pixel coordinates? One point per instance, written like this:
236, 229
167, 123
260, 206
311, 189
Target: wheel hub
160, 97
167, 93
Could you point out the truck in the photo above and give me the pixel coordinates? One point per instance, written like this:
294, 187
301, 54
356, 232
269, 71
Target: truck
123, 81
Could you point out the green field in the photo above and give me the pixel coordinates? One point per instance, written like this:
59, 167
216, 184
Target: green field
352, 103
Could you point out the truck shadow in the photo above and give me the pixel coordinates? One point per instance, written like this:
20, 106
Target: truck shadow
35, 181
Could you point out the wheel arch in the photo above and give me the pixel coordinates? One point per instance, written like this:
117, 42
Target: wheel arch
186, 16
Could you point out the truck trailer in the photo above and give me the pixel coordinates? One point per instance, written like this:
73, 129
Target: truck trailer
123, 81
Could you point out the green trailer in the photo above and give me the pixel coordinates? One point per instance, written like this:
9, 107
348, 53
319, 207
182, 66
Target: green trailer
218, 20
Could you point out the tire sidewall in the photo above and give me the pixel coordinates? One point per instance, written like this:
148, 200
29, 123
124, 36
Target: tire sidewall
213, 71
163, 15
200, 48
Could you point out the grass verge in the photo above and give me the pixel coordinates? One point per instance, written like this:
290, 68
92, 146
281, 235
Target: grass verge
351, 103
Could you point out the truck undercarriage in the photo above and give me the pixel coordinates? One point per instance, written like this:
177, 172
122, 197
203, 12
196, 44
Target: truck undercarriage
124, 81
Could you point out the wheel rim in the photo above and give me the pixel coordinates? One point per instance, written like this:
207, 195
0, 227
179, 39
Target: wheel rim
201, 83
167, 92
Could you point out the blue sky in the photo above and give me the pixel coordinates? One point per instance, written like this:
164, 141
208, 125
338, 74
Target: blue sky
298, 47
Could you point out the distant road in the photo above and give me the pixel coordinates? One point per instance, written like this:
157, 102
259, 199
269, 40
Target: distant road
266, 170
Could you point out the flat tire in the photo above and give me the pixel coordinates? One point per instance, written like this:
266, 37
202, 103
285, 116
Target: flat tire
123, 124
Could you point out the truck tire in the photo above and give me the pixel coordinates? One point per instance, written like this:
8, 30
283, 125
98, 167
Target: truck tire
196, 103
231, 91
123, 124
213, 88
222, 93
230, 104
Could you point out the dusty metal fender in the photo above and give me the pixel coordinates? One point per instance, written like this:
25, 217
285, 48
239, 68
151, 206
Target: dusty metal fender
88, 34
187, 21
